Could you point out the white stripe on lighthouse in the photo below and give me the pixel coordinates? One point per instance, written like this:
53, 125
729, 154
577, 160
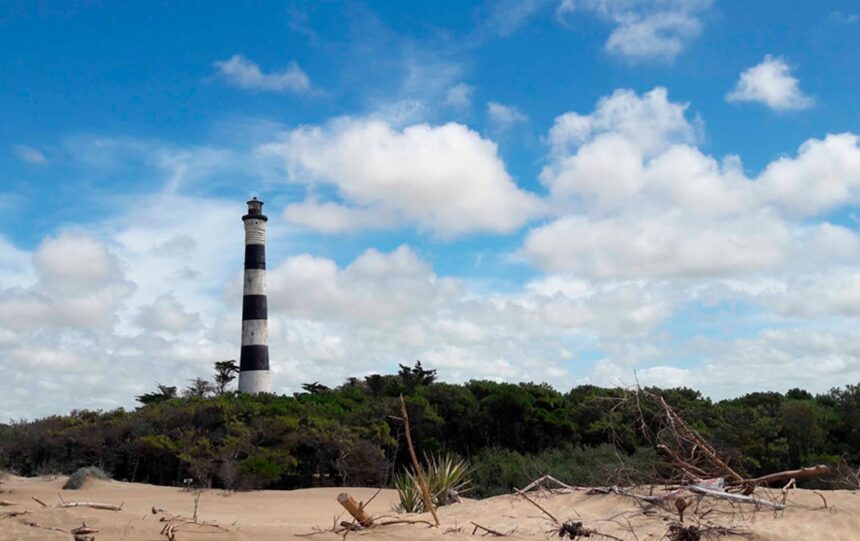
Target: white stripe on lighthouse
255, 381
255, 282
255, 332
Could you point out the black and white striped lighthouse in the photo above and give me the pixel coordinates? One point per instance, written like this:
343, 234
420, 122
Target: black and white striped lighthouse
254, 359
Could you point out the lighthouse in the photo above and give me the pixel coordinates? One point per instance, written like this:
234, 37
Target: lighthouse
254, 358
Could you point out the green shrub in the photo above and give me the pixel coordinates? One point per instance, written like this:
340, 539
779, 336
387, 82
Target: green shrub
499, 471
79, 478
444, 474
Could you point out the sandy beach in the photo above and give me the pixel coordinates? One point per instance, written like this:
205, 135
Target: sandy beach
270, 515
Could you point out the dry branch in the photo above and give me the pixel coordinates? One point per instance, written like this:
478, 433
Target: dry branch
536, 504
736, 497
812, 471
40, 502
425, 492
545, 480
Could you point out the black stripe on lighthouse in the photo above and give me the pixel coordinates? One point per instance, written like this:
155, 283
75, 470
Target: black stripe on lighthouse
254, 356
254, 307
255, 256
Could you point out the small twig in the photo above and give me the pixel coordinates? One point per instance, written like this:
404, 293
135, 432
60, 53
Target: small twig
40, 502
488, 530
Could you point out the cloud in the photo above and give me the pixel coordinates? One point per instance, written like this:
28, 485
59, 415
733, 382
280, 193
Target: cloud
241, 72
637, 199
76, 260
771, 84
644, 29
332, 218
444, 179
507, 16
504, 117
167, 314
843, 18
30, 154
460, 96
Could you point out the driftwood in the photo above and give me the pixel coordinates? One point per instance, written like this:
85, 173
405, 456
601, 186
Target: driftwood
172, 522
93, 505
354, 509
425, 492
702, 488
735, 497
812, 471
40, 502
546, 480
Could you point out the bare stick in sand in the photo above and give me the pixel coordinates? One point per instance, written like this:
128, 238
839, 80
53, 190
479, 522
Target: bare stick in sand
536, 504
425, 492
40, 502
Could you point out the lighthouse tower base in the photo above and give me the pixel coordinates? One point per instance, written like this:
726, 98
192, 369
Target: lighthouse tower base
255, 381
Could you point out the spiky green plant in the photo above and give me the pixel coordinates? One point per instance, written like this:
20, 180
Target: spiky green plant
406, 484
443, 473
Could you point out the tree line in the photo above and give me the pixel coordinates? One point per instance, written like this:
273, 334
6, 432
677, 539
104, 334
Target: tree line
352, 434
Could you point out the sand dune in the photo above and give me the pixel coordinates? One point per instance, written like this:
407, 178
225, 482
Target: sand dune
270, 515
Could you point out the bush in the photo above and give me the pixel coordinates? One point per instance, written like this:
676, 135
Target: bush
498, 471
79, 478
444, 475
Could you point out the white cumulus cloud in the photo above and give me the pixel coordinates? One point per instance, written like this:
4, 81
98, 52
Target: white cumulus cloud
445, 179
637, 198
645, 29
772, 84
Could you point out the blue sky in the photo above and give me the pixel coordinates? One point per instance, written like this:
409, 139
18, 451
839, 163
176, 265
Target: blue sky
564, 191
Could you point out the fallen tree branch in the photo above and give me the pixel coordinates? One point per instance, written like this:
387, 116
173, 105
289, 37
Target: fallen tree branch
40, 502
812, 471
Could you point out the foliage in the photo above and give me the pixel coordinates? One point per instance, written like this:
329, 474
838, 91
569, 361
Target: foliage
225, 373
199, 388
79, 478
163, 393
445, 475
351, 434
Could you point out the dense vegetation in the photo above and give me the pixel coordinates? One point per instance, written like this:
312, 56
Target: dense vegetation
511, 433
